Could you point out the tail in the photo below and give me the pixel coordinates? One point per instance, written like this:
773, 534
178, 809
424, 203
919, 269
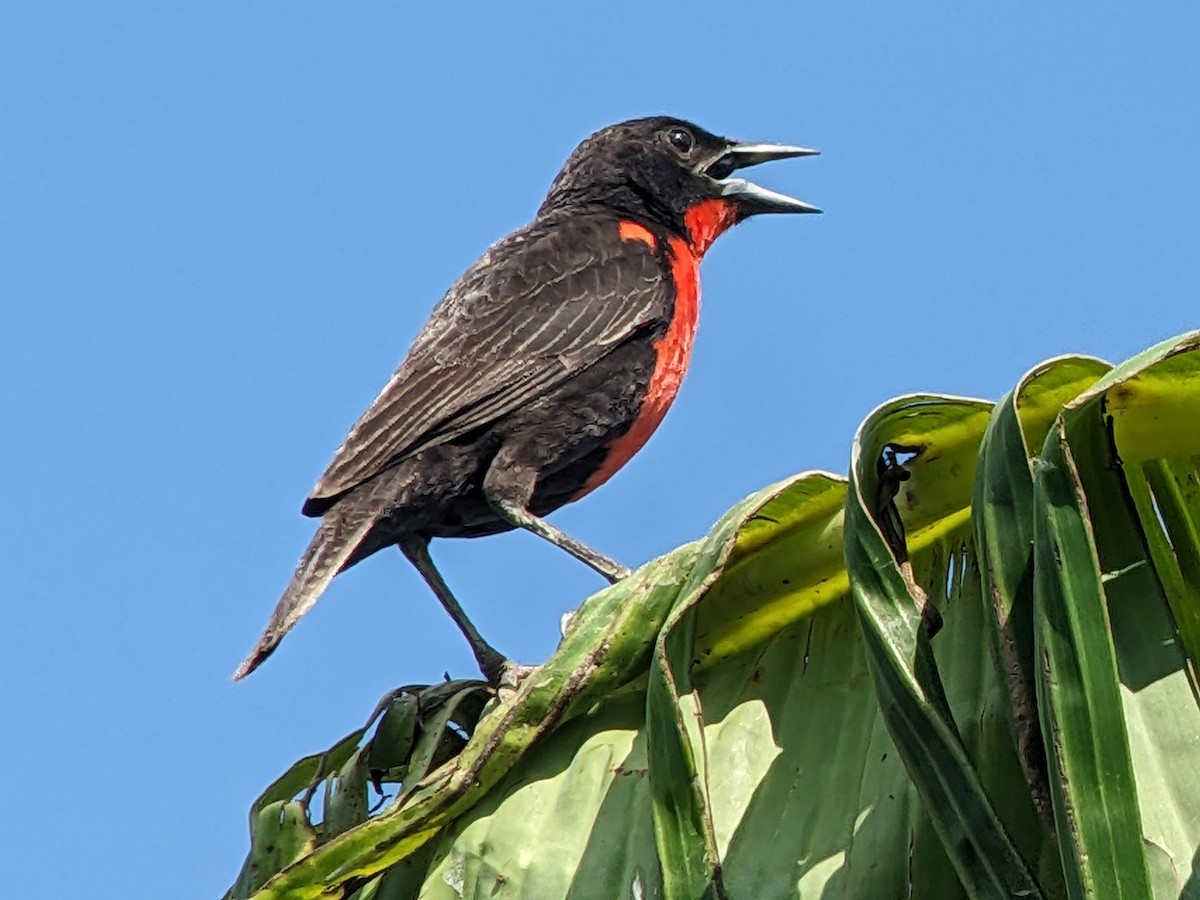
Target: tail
333, 547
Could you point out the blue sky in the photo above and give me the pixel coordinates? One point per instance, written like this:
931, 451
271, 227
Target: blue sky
222, 224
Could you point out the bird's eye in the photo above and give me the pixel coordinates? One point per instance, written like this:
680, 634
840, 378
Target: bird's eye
681, 139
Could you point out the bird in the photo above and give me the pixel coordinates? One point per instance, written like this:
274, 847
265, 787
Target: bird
543, 369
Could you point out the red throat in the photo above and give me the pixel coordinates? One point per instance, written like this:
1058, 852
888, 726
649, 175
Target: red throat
707, 220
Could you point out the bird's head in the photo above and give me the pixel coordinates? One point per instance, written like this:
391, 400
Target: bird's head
669, 172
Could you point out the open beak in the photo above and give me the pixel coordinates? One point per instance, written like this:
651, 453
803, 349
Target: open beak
749, 196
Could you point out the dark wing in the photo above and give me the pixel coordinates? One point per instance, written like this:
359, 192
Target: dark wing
539, 307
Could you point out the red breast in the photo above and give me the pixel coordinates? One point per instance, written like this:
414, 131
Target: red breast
705, 222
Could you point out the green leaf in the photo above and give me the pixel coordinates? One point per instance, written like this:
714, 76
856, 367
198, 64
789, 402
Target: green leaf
1003, 517
609, 641
683, 824
944, 435
710, 726
1118, 687
785, 564
805, 791
346, 796
280, 835
435, 741
1095, 800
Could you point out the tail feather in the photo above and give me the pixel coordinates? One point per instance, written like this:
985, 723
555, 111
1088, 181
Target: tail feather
341, 533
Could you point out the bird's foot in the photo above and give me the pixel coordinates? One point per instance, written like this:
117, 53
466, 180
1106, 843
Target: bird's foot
507, 680
514, 674
501, 672
617, 573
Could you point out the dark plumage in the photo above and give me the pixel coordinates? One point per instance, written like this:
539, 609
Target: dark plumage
544, 367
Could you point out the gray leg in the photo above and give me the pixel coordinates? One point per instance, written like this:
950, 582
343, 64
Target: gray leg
491, 662
509, 490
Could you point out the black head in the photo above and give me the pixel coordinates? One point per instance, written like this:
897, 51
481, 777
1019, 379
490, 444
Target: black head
657, 169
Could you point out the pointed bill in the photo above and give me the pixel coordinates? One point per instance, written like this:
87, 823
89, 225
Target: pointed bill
748, 154
761, 200
752, 198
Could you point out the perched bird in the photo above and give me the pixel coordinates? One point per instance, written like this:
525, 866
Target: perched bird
546, 366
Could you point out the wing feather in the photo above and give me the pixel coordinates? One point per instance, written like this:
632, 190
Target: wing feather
539, 307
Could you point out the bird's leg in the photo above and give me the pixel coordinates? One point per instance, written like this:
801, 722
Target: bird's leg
509, 491
523, 518
492, 663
